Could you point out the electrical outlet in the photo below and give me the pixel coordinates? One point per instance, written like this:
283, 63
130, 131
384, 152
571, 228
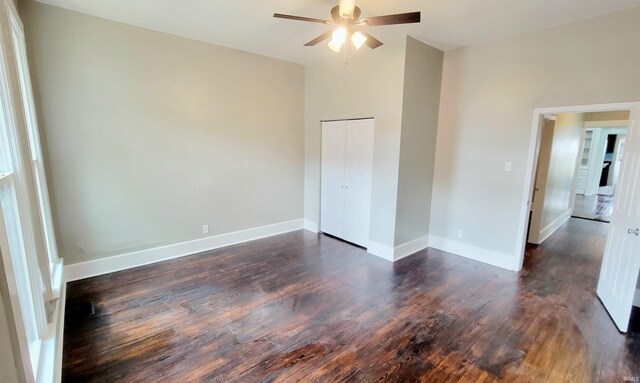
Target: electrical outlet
80, 248
205, 229
460, 233
507, 166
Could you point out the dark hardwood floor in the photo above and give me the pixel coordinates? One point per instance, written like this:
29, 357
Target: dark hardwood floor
596, 207
301, 307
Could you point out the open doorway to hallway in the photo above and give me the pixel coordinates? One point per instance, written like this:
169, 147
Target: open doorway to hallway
600, 161
579, 160
585, 162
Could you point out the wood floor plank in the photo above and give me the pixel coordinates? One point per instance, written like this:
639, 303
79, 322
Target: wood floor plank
302, 307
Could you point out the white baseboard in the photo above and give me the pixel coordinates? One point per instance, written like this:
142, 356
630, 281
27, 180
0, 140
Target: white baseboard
494, 258
380, 250
145, 257
50, 365
401, 251
636, 298
553, 226
411, 247
311, 226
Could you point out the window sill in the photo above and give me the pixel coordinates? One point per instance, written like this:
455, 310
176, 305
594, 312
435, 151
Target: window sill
56, 279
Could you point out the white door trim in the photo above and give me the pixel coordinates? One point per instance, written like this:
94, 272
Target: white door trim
539, 113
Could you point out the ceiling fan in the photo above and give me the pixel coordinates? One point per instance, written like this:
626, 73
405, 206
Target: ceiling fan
348, 24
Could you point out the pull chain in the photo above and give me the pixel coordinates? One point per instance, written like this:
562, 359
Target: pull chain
346, 52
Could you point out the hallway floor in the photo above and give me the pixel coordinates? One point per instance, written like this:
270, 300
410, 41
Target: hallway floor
302, 307
596, 207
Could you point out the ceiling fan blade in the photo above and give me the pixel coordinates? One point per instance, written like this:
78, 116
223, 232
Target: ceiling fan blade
371, 42
318, 39
300, 18
401, 18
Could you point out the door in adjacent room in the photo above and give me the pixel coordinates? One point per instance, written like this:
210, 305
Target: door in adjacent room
542, 171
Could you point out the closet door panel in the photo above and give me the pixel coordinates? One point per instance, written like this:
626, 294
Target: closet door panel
332, 189
358, 172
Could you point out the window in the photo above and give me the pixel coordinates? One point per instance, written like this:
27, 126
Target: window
27, 239
21, 255
17, 36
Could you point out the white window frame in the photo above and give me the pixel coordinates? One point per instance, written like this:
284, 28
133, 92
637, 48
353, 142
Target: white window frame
31, 122
25, 256
28, 310
26, 346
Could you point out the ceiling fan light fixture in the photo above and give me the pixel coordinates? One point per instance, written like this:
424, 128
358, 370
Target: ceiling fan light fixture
347, 7
358, 39
334, 47
338, 37
344, 18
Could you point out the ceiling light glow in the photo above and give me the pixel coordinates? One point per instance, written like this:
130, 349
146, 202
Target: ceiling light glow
338, 37
358, 39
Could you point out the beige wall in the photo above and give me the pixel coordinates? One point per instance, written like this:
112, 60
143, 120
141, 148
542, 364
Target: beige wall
194, 151
421, 100
561, 178
607, 116
150, 136
369, 86
489, 93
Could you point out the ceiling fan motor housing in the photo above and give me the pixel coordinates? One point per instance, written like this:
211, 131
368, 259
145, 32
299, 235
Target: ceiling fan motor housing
347, 8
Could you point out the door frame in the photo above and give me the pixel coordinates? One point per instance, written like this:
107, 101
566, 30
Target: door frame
532, 161
615, 167
604, 133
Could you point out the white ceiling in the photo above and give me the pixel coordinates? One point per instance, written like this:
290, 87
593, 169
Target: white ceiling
248, 25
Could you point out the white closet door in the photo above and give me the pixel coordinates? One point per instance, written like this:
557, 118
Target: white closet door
358, 169
332, 190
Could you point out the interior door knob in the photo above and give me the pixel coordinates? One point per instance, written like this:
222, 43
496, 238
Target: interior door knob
636, 231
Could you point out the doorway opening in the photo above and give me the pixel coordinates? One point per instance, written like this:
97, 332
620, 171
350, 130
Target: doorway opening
600, 161
577, 171
583, 168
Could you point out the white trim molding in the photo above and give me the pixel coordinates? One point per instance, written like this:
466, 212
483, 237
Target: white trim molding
380, 250
409, 248
394, 254
50, 365
553, 226
57, 372
494, 258
311, 226
157, 254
